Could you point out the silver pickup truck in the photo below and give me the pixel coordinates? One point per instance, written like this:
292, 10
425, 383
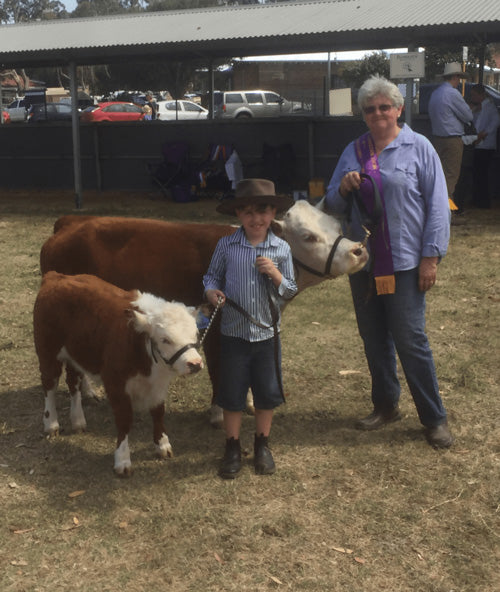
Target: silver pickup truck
18, 110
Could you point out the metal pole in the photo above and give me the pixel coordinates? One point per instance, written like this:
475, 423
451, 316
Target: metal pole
409, 93
75, 128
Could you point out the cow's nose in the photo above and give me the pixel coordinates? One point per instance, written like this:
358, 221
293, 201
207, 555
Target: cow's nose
195, 367
358, 251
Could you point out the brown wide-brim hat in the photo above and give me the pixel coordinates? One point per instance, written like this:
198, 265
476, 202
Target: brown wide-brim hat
255, 192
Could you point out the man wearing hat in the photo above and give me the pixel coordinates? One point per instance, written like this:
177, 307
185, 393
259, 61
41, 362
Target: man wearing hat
448, 113
250, 272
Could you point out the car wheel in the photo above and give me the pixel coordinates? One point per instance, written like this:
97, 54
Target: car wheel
243, 116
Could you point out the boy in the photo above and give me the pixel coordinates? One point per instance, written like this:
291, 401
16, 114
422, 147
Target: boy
249, 271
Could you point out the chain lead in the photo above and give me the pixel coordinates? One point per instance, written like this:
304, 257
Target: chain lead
212, 317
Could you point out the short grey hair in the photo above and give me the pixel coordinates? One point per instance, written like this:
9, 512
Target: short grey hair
378, 85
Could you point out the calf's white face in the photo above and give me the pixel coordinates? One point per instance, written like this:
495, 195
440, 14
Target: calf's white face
171, 326
311, 234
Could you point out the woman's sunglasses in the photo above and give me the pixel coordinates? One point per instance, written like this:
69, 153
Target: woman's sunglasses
372, 108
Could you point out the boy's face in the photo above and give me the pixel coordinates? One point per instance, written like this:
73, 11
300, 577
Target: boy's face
256, 219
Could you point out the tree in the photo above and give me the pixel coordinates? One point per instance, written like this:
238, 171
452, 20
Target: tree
437, 56
375, 63
21, 11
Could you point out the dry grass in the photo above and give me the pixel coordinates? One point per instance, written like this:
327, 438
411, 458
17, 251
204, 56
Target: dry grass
346, 510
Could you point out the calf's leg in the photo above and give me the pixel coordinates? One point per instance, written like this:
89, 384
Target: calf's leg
74, 380
160, 438
122, 409
50, 373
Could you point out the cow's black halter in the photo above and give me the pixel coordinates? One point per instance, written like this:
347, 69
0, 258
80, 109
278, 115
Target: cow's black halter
328, 264
170, 361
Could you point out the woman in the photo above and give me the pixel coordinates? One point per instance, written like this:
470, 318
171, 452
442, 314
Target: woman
406, 244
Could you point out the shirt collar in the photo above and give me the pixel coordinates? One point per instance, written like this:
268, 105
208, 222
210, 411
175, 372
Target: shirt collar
239, 237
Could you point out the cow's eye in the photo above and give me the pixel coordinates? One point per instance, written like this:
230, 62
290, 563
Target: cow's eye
311, 238
166, 341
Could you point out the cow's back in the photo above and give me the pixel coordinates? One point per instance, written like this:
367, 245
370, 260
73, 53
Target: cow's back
164, 258
83, 314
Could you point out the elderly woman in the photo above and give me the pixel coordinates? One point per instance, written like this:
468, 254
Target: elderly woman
410, 233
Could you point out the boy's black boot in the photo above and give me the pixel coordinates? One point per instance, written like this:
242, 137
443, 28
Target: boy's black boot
263, 459
231, 462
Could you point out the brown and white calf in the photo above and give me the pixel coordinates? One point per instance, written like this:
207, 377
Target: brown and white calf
134, 342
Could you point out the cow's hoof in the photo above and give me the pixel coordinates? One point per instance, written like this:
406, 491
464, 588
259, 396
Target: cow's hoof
249, 404
52, 432
216, 417
124, 471
163, 448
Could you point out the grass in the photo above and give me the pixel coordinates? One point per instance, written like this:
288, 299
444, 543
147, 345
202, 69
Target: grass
346, 511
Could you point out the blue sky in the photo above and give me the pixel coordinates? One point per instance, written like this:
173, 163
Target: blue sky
70, 4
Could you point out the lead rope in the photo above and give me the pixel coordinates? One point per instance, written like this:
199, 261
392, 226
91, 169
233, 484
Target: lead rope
211, 320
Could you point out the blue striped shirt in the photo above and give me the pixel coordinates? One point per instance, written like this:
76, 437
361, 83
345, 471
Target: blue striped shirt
232, 270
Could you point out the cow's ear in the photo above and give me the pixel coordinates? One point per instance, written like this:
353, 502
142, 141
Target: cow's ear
277, 227
139, 320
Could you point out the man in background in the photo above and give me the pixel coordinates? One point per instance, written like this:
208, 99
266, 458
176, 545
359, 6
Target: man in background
448, 113
486, 122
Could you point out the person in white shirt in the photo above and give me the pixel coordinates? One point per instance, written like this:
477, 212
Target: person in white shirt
486, 122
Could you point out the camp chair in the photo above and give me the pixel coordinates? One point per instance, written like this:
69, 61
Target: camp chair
173, 175
219, 173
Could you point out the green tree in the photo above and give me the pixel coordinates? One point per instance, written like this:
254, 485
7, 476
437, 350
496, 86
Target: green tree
437, 56
376, 62
22, 11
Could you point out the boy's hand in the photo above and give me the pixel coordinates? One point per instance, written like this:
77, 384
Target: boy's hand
215, 297
266, 266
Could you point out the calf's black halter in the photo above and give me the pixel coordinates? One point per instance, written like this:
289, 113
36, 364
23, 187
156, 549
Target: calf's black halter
170, 361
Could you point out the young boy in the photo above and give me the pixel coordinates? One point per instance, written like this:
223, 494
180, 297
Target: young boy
250, 271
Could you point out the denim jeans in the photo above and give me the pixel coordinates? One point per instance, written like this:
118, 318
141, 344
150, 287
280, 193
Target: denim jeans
396, 323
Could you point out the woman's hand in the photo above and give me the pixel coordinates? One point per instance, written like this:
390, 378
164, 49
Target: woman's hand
350, 182
215, 297
427, 272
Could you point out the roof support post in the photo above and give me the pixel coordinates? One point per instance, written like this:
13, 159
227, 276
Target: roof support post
211, 86
409, 93
75, 128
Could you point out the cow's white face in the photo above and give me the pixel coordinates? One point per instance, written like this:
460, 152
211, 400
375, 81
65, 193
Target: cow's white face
311, 234
171, 327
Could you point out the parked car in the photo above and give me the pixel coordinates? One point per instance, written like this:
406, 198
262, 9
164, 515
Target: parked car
5, 116
250, 103
18, 110
112, 111
182, 110
426, 90
49, 112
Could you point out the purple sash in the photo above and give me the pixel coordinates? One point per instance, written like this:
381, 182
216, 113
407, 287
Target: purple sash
380, 242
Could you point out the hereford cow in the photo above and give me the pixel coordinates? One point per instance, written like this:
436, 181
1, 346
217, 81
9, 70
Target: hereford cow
136, 343
170, 258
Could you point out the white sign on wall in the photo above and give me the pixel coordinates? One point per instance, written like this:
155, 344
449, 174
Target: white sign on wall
408, 65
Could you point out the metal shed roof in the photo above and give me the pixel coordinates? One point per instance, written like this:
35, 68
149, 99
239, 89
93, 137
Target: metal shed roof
291, 27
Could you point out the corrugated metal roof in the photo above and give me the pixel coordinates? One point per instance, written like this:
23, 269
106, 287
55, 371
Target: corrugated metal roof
316, 25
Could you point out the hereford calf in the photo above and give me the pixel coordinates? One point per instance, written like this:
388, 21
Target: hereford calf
134, 342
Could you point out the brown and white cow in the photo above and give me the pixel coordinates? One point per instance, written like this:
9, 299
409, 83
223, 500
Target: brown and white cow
134, 342
170, 258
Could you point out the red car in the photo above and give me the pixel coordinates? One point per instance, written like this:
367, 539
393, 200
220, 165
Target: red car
6, 116
113, 111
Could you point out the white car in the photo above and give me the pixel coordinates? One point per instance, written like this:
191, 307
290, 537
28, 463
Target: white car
181, 110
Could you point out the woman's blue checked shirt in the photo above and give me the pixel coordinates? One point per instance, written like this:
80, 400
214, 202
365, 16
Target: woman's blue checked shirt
233, 271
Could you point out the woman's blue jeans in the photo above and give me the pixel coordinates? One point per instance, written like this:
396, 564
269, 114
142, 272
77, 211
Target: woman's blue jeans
396, 323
